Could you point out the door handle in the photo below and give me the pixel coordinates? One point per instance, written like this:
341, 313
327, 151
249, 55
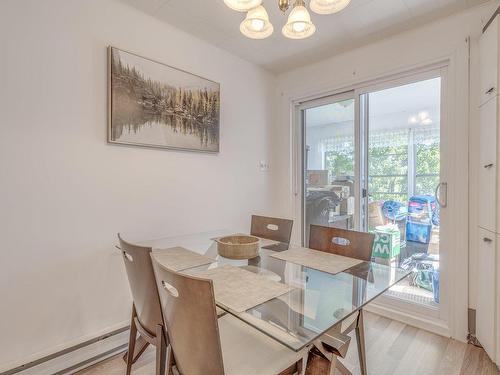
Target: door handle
442, 190
487, 166
487, 240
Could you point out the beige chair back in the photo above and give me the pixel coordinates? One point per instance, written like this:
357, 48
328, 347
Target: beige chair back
188, 307
272, 228
142, 284
344, 242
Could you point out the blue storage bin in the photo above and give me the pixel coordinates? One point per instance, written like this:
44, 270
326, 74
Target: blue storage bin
421, 209
394, 211
418, 232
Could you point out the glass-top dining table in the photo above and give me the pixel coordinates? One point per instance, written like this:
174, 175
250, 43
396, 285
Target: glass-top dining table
317, 301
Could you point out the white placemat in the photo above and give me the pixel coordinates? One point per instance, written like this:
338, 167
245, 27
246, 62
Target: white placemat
179, 258
240, 290
319, 260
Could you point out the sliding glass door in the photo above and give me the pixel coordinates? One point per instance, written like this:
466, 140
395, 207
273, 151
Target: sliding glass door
371, 161
402, 137
329, 164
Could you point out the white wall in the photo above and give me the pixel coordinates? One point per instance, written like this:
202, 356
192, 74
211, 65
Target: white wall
65, 192
416, 48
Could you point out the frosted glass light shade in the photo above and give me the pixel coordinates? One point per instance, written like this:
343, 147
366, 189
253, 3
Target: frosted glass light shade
328, 6
299, 25
242, 5
256, 25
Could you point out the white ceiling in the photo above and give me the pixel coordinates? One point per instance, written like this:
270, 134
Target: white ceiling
363, 21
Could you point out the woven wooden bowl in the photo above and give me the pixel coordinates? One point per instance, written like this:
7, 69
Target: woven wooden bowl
238, 247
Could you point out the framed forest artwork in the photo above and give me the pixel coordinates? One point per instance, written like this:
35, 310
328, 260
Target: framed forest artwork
154, 105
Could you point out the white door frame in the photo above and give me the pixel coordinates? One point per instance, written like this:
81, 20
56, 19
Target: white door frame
452, 319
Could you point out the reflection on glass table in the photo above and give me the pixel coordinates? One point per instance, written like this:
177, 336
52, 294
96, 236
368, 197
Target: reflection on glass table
317, 301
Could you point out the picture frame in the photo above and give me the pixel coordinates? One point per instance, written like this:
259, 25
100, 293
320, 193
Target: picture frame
151, 104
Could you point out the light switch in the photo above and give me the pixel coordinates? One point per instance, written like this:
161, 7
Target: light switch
264, 166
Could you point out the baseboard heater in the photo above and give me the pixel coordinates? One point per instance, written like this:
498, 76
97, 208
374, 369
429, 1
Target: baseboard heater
77, 357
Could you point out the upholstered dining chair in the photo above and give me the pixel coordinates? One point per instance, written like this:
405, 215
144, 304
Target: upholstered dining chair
351, 244
203, 344
272, 228
146, 319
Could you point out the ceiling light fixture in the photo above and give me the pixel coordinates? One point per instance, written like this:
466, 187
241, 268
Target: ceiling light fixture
256, 25
299, 25
421, 118
328, 6
422, 115
242, 5
283, 5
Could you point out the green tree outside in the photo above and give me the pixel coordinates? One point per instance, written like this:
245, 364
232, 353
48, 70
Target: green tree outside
388, 169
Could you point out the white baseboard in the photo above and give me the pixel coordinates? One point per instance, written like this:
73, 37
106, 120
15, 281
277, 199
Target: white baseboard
77, 357
63, 347
426, 323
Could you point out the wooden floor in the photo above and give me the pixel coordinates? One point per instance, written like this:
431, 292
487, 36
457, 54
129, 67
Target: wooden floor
393, 348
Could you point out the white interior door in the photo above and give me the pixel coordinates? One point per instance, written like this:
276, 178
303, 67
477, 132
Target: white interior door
485, 316
488, 166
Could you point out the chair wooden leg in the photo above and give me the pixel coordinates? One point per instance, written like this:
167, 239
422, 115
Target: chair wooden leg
161, 351
360, 339
342, 369
131, 342
333, 365
302, 366
170, 360
140, 347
